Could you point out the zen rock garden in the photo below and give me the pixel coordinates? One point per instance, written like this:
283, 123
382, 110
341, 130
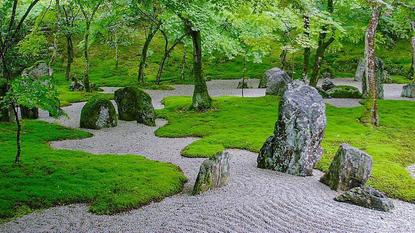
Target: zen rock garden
174, 116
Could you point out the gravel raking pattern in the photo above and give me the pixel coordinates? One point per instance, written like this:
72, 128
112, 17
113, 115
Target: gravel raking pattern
255, 200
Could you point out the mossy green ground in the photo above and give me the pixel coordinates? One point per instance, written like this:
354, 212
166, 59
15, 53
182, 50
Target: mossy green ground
245, 123
49, 177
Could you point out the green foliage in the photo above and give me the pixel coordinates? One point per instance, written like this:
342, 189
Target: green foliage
245, 123
34, 93
48, 177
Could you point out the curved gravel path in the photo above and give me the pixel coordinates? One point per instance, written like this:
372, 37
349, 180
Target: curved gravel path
255, 200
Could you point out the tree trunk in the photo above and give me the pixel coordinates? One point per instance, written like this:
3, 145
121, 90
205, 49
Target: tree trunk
321, 49
201, 99
244, 75
307, 50
412, 72
117, 54
19, 128
150, 36
5, 115
86, 57
371, 114
183, 65
70, 54
283, 58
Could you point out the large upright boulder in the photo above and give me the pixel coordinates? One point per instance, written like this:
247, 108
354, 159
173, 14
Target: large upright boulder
38, 70
213, 173
350, 168
98, 113
276, 81
380, 76
295, 146
408, 91
134, 104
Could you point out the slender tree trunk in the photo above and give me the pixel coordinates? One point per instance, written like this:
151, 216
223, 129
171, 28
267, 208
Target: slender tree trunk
244, 75
18, 132
117, 53
201, 99
183, 65
412, 72
321, 49
70, 56
86, 57
5, 115
283, 58
307, 50
371, 114
144, 51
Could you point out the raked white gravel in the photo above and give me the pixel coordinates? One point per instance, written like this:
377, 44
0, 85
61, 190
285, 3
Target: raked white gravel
255, 200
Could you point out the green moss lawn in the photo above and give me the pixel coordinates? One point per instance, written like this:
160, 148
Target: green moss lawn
245, 123
49, 177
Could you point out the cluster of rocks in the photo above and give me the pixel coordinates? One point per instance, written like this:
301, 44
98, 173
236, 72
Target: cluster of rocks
275, 81
295, 147
213, 173
349, 172
132, 103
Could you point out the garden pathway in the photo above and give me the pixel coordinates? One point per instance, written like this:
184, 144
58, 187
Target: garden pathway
255, 200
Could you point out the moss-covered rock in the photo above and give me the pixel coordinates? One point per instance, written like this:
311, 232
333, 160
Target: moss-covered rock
344, 92
134, 104
98, 113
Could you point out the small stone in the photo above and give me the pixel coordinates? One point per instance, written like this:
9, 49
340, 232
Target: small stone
367, 197
135, 104
243, 85
77, 86
327, 84
98, 113
295, 147
350, 168
276, 81
408, 91
213, 173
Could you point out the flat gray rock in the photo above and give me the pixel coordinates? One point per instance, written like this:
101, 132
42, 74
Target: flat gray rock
367, 197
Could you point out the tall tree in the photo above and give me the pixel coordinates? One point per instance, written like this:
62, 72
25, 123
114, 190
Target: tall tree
323, 44
67, 14
88, 8
11, 32
371, 112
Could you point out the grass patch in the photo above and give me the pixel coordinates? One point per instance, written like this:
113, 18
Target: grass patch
49, 177
245, 123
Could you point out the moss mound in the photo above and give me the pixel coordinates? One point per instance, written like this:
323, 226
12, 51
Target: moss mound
344, 92
98, 113
134, 104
